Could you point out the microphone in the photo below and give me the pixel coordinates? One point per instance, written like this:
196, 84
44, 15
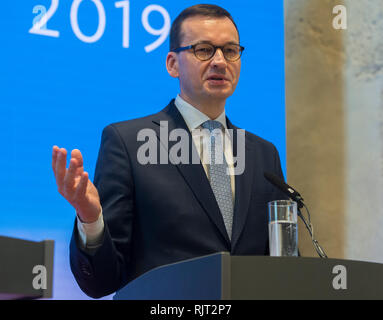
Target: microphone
285, 188
294, 195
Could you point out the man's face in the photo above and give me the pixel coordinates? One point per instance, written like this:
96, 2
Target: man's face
198, 78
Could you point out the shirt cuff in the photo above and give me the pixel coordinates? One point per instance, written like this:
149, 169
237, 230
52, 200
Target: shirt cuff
91, 233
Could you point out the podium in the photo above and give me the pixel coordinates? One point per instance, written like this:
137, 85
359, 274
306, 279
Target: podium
223, 277
26, 268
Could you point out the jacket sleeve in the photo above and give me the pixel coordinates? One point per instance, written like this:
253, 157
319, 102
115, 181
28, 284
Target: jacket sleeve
102, 271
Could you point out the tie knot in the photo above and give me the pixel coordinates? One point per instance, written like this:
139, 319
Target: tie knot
211, 125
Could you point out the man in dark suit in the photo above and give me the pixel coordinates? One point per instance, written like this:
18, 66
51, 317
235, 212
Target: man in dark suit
140, 213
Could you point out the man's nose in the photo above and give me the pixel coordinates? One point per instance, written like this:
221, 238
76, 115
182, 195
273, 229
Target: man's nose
218, 59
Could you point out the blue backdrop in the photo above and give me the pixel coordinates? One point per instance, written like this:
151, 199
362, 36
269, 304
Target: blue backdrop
69, 68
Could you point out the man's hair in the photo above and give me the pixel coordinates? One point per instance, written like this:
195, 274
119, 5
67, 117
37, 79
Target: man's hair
207, 10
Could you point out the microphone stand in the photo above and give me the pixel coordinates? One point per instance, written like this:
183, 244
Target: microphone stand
310, 228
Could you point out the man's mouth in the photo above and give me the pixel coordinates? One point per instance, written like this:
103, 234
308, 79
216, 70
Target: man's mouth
217, 80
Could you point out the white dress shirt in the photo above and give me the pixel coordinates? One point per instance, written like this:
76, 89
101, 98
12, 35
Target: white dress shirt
194, 119
91, 233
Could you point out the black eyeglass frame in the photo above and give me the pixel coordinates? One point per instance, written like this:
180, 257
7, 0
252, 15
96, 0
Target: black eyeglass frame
193, 46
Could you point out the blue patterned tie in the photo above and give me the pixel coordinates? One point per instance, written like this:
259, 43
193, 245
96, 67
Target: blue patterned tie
219, 179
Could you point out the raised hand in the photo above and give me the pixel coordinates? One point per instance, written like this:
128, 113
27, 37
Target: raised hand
74, 185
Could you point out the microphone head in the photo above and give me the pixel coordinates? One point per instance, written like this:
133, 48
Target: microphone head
284, 187
276, 181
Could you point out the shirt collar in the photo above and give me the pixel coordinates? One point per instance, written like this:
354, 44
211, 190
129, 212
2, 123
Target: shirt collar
193, 117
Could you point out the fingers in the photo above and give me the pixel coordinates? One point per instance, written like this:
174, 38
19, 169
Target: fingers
76, 154
67, 179
60, 168
54, 157
74, 185
81, 188
70, 178
72, 182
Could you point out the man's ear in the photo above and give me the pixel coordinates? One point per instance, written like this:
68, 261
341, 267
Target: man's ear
172, 64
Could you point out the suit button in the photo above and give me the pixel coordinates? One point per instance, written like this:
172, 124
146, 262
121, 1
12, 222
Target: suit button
85, 270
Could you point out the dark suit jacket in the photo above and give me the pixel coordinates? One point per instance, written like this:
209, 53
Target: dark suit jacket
157, 214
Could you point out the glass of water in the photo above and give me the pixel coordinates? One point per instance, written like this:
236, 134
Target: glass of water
283, 229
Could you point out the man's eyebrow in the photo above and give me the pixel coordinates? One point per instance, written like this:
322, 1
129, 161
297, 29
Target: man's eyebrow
210, 42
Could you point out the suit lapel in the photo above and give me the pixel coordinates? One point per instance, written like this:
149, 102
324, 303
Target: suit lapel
243, 186
193, 173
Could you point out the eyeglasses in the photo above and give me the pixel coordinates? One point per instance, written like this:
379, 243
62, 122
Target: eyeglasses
205, 51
